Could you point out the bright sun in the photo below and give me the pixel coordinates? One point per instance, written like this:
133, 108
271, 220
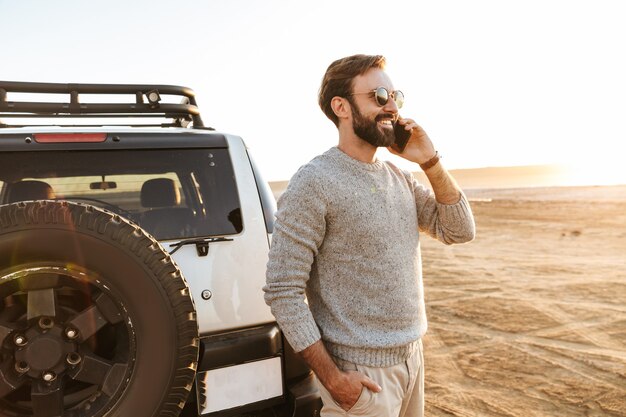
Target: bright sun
599, 173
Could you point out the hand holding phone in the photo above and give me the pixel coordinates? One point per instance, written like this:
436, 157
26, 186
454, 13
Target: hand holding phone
421, 145
402, 137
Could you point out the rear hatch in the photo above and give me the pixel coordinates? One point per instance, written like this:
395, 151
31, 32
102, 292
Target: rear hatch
181, 186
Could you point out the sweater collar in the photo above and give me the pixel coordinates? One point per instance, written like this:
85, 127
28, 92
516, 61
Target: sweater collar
339, 155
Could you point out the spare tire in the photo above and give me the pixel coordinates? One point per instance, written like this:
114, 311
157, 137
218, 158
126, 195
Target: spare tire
95, 317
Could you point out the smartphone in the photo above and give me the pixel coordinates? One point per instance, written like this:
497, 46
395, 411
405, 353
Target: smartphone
402, 137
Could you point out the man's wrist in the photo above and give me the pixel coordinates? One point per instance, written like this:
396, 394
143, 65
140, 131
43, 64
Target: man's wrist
334, 379
319, 360
431, 162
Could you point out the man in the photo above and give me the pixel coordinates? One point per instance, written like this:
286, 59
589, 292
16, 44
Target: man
347, 235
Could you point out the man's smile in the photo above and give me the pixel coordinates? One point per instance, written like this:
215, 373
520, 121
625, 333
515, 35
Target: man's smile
385, 120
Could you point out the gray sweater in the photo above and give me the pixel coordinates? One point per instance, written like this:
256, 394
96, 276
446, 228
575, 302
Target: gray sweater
347, 236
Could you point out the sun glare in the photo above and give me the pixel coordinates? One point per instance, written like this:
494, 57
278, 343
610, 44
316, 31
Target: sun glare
594, 174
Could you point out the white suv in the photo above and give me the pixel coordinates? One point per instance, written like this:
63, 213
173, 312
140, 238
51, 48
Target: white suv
132, 258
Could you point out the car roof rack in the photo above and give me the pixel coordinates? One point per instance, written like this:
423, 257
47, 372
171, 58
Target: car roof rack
180, 114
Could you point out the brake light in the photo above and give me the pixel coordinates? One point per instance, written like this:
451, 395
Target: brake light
70, 137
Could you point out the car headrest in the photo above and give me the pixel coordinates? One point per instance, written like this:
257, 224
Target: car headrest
29, 190
159, 192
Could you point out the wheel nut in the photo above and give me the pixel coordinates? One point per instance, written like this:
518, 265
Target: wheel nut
46, 323
22, 367
71, 333
20, 340
73, 358
49, 376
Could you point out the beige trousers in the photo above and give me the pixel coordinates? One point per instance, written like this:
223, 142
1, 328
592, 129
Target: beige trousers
402, 392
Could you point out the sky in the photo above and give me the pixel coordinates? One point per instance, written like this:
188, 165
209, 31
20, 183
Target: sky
493, 82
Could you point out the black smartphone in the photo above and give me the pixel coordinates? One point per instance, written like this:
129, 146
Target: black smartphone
402, 137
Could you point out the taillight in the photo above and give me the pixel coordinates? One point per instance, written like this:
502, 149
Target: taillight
70, 137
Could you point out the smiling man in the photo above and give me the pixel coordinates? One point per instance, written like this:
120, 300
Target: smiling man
347, 237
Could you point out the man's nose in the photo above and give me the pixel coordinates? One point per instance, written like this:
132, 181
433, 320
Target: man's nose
391, 106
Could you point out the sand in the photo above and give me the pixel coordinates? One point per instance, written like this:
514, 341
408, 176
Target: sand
530, 318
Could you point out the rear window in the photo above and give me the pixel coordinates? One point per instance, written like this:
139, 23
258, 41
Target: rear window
171, 193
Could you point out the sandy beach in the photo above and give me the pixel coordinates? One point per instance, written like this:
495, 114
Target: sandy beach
530, 318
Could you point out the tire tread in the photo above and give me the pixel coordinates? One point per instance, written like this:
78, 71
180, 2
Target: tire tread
163, 268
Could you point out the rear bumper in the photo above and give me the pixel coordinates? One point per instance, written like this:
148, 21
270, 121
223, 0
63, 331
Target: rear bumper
297, 391
241, 346
306, 398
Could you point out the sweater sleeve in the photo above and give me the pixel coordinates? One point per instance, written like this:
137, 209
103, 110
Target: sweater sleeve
298, 233
448, 223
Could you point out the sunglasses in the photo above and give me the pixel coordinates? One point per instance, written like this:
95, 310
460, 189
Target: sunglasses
382, 95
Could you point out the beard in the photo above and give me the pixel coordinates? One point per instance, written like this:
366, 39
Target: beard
369, 131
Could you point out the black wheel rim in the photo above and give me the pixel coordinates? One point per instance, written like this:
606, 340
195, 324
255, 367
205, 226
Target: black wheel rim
67, 342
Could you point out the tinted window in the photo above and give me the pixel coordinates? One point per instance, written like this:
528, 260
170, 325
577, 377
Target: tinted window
172, 193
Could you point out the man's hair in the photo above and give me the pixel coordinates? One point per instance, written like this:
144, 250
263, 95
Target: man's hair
338, 80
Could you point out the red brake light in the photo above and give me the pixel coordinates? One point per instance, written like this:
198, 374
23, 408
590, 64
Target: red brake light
70, 137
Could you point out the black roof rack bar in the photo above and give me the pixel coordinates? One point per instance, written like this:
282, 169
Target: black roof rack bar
96, 116
180, 120
61, 109
138, 109
100, 125
59, 88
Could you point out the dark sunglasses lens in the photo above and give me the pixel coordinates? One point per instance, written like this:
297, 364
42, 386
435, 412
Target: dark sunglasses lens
398, 97
382, 96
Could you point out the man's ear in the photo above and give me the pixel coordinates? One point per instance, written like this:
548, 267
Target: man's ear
341, 107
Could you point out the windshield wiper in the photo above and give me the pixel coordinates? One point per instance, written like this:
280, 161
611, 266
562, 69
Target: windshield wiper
202, 244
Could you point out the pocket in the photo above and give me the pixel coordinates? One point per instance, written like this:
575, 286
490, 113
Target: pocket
361, 402
365, 396
365, 401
